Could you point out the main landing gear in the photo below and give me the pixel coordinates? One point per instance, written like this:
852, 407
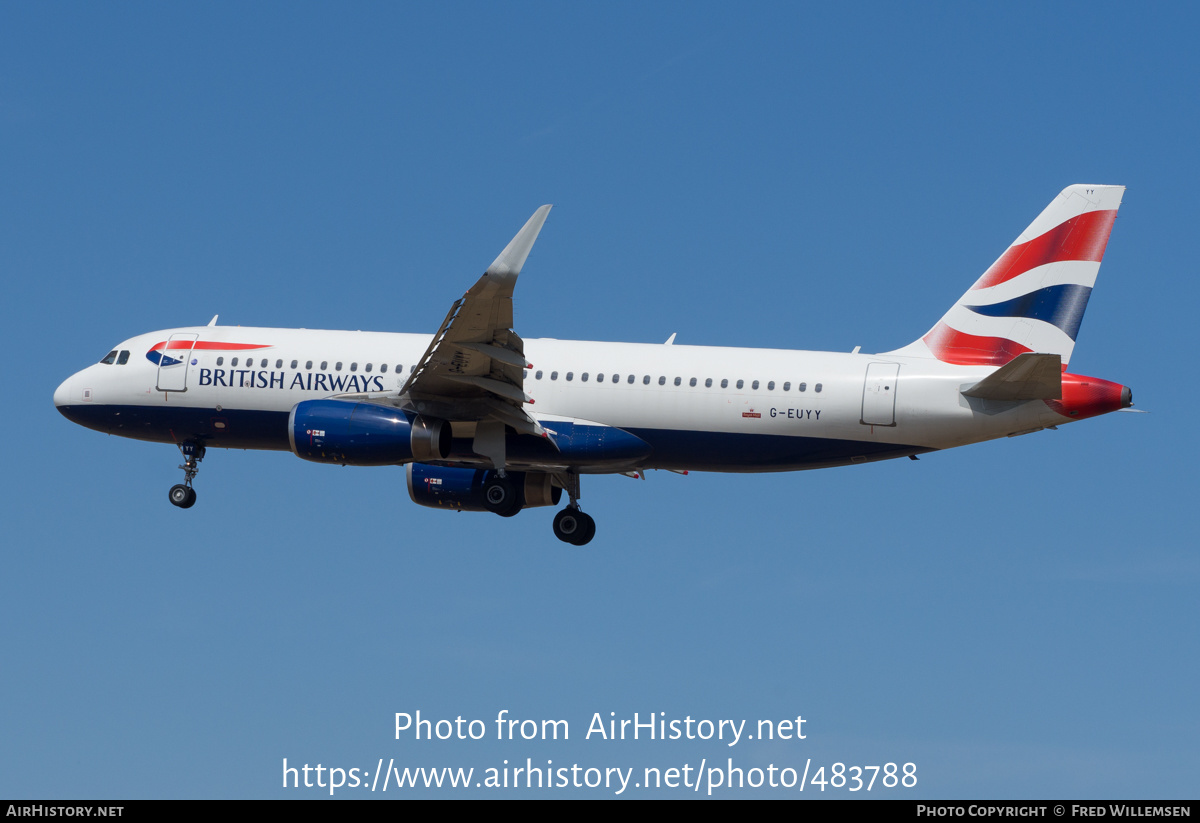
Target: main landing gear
572, 525
182, 494
500, 496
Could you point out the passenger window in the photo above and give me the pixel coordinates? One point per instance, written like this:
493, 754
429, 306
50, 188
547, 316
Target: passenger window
692, 382
616, 378
263, 364
412, 368
724, 383
553, 375
110, 358
678, 380
583, 377
570, 376
233, 362
662, 380
295, 363
600, 377
802, 387
740, 383
817, 387
123, 358
537, 375
787, 386
337, 366
771, 386
646, 380
353, 367
754, 385
308, 365
383, 369
630, 379
279, 364
368, 369
324, 364
220, 361
708, 382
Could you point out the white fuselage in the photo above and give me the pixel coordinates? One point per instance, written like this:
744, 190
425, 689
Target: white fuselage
699, 407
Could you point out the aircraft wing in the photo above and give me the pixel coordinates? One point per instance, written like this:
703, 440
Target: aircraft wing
474, 368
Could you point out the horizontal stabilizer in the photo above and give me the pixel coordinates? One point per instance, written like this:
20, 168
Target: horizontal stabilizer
1027, 376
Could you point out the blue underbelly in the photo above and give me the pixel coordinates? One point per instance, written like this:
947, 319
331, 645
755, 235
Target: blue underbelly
667, 448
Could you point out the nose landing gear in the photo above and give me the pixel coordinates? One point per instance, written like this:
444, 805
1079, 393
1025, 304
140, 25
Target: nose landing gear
182, 494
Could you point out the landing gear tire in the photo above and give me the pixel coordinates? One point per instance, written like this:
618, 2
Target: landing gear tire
500, 496
574, 527
182, 496
586, 538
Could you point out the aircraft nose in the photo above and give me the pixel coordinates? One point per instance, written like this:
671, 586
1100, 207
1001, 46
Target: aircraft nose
67, 397
62, 395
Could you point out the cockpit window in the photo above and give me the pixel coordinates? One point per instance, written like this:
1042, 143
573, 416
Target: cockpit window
110, 358
123, 358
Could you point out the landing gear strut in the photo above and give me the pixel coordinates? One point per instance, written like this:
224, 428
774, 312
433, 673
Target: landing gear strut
182, 494
572, 525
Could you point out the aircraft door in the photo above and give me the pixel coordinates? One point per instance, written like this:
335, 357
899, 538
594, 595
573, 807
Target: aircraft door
174, 361
879, 395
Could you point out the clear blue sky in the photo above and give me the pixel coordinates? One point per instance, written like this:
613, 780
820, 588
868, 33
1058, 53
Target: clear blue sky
1017, 618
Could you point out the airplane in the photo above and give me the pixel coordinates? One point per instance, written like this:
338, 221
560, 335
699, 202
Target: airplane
483, 420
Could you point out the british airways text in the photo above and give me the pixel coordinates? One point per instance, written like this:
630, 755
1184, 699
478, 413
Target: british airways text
305, 381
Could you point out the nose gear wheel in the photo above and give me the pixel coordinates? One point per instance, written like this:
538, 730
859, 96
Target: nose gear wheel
182, 494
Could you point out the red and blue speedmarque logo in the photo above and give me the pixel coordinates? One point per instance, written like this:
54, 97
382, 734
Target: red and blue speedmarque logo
158, 356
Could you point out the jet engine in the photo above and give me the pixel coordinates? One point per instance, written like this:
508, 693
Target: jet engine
353, 433
475, 490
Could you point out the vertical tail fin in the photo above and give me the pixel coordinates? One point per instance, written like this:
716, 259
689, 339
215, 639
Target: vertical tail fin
1033, 297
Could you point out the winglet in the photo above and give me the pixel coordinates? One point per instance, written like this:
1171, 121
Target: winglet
513, 257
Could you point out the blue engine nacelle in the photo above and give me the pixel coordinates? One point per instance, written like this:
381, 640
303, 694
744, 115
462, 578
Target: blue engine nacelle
352, 433
461, 489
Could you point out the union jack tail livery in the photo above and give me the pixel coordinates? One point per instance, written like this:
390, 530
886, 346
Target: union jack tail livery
1033, 297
